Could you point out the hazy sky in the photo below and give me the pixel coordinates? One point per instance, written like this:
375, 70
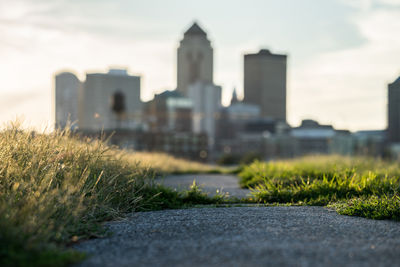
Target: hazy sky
342, 53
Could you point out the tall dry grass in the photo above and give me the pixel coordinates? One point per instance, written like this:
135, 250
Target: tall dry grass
55, 189
166, 164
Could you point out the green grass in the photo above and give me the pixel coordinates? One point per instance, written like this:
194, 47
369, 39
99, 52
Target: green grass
159, 197
373, 207
314, 167
354, 186
56, 190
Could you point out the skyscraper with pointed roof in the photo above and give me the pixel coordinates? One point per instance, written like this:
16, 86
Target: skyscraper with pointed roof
195, 59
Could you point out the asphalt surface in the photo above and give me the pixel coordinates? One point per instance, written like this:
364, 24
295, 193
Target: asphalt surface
243, 236
246, 236
209, 183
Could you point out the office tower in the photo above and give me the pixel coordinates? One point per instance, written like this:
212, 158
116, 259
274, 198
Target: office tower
195, 59
394, 111
110, 101
66, 92
265, 83
206, 99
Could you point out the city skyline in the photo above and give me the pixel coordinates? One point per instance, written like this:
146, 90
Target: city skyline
338, 78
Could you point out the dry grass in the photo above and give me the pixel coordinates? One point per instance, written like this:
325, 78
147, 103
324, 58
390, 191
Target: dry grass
167, 164
56, 189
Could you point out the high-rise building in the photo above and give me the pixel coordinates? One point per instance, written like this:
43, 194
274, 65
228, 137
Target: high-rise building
206, 99
394, 111
67, 87
110, 101
195, 59
265, 83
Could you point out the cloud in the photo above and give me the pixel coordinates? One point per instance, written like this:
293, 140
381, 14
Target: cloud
367, 5
389, 2
352, 83
34, 47
103, 18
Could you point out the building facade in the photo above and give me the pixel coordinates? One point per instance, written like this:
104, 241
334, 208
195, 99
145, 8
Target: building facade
110, 101
67, 88
394, 112
169, 112
265, 83
234, 118
182, 145
370, 143
313, 138
195, 59
206, 99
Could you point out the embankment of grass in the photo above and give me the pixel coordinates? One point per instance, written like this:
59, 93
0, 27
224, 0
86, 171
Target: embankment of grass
314, 167
56, 190
351, 185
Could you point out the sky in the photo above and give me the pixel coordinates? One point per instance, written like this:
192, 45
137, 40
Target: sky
341, 53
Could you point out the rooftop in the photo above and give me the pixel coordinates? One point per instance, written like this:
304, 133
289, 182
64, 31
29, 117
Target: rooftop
265, 52
195, 29
168, 94
118, 72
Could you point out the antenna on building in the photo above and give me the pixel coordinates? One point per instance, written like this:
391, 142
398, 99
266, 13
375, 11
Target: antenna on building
234, 98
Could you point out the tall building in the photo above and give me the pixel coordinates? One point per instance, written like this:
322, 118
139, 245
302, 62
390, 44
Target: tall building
67, 87
206, 99
110, 101
265, 83
394, 112
195, 59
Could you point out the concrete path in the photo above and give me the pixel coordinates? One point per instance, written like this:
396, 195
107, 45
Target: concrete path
246, 236
208, 182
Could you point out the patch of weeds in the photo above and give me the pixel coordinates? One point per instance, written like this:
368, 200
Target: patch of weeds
195, 195
354, 186
374, 207
158, 197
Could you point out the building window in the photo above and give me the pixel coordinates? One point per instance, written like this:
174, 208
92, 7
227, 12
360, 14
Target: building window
118, 103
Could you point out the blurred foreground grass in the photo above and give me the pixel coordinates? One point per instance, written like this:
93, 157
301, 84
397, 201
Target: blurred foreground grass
352, 185
56, 189
165, 164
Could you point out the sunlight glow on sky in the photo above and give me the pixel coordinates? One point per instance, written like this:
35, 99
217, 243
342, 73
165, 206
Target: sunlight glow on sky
342, 53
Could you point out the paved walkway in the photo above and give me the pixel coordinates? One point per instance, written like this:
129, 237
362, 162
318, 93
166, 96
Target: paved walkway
246, 236
208, 182
243, 236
